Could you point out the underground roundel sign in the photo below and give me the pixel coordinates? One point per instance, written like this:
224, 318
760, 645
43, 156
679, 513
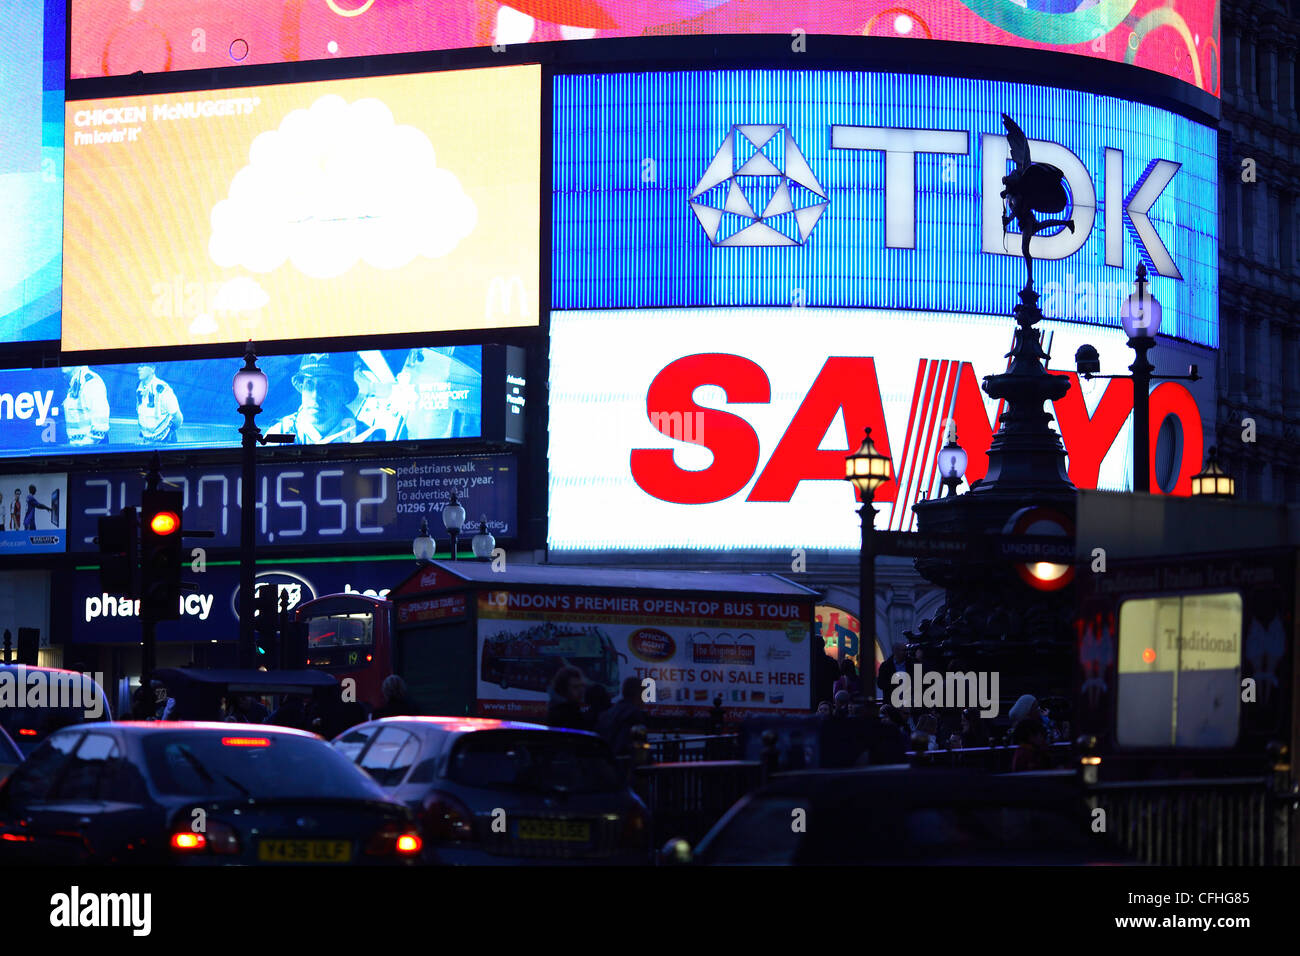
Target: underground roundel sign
1042, 575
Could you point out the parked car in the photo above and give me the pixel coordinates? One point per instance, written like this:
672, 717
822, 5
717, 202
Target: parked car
891, 815
67, 697
10, 755
205, 793
503, 792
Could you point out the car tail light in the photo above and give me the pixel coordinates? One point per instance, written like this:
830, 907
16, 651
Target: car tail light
217, 838
394, 839
26, 732
447, 820
245, 742
634, 830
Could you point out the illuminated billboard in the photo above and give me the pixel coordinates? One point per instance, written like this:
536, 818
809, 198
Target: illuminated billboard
728, 428
311, 210
749, 188
1179, 38
31, 170
420, 394
33, 519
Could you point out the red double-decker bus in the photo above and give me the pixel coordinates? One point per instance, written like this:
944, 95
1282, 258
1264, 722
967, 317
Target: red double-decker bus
350, 636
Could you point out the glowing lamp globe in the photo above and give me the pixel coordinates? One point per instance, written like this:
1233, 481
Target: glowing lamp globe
1140, 313
250, 384
484, 544
423, 544
1213, 481
453, 516
867, 468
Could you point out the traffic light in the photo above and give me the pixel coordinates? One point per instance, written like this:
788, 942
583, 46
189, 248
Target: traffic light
119, 554
161, 557
266, 621
293, 646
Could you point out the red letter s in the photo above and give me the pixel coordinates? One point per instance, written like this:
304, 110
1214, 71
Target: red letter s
670, 405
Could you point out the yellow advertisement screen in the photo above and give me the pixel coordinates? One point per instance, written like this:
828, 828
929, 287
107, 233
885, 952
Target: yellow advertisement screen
304, 211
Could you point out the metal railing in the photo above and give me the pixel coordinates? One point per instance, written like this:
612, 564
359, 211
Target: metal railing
1242, 821
681, 749
994, 759
686, 799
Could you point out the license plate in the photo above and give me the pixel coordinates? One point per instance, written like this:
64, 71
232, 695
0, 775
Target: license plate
563, 831
304, 851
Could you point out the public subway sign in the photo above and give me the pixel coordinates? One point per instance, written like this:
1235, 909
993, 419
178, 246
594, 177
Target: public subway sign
872, 190
729, 428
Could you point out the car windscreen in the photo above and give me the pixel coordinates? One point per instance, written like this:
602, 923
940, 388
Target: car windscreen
533, 761
64, 699
261, 765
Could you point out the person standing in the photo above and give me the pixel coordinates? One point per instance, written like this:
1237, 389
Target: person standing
85, 409
616, 724
156, 408
567, 691
29, 519
896, 662
397, 700
16, 512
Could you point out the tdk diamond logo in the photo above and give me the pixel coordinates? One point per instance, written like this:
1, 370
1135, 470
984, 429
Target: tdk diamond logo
758, 168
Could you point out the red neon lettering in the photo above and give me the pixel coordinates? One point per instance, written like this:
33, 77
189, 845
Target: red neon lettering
1171, 398
847, 383
731, 439
1088, 439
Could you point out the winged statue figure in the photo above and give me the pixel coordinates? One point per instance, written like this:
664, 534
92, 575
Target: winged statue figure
1031, 187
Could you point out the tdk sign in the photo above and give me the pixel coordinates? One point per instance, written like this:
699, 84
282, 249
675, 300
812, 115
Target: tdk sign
762, 188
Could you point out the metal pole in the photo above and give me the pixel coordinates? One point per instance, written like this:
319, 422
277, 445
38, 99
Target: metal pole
454, 536
867, 597
148, 652
247, 536
1141, 369
148, 655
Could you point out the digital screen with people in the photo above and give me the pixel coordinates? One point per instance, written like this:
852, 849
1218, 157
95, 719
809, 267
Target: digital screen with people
419, 394
33, 519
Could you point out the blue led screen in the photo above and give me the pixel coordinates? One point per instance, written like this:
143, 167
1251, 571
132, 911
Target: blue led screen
31, 170
420, 394
872, 190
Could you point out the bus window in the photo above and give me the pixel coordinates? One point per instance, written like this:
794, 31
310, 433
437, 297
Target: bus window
1179, 671
340, 630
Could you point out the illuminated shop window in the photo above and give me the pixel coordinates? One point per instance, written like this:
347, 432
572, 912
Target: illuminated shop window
1179, 671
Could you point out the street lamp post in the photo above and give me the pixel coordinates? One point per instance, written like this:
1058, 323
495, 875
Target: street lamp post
1140, 316
453, 519
250, 389
867, 469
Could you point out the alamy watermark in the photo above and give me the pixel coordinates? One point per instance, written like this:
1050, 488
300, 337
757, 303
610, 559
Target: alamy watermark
946, 689
23, 687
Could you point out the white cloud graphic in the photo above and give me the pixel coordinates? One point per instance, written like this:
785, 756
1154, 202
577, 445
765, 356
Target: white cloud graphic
337, 184
203, 324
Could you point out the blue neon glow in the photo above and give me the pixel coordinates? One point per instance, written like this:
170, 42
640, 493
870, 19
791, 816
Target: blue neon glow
31, 171
630, 149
